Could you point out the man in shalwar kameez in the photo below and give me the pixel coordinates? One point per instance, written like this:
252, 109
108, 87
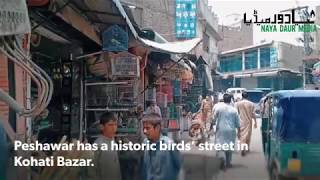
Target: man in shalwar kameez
227, 123
246, 111
206, 110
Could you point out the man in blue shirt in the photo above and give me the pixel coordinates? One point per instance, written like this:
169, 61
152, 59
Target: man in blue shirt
158, 164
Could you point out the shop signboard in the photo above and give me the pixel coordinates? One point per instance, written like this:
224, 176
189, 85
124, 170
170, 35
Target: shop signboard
125, 65
186, 18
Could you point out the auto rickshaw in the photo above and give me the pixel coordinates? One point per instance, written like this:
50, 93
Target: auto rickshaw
292, 145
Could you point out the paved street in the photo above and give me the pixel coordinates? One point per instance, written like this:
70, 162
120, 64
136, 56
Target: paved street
250, 167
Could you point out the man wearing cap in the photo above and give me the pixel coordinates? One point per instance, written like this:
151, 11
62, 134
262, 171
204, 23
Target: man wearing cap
158, 164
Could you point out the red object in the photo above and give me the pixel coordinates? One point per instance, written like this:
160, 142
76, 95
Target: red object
37, 2
25, 42
167, 89
173, 124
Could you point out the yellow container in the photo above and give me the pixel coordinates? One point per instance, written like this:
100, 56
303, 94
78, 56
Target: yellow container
294, 165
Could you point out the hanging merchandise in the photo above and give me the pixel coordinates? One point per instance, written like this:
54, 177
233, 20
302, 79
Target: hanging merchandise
99, 65
167, 89
187, 76
151, 94
162, 99
173, 124
173, 114
115, 39
173, 117
176, 88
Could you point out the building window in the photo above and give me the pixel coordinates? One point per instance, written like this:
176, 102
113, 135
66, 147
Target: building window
274, 58
251, 58
231, 63
265, 57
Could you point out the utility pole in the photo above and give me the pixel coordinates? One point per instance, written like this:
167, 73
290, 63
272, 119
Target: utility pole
304, 15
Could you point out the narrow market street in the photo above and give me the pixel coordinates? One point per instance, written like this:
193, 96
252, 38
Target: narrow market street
250, 167
159, 90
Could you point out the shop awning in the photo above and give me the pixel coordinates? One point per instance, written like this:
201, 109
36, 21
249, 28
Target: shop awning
271, 73
104, 13
259, 73
181, 62
311, 58
179, 47
242, 75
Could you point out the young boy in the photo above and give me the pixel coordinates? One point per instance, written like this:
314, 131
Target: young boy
107, 166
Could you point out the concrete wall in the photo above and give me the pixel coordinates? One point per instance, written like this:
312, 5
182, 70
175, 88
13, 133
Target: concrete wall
158, 15
235, 37
290, 56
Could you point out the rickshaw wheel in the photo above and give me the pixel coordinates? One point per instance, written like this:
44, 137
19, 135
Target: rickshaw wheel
276, 176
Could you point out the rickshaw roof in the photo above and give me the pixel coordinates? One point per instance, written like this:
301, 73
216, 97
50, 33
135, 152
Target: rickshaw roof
286, 94
297, 116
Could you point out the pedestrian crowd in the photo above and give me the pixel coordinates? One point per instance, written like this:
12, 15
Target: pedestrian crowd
232, 120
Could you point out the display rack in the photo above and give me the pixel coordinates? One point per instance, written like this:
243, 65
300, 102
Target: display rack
116, 94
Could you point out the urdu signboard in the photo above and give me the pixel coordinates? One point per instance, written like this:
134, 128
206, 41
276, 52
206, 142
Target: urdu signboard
186, 18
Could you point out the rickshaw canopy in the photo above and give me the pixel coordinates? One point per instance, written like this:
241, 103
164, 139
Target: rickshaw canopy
296, 115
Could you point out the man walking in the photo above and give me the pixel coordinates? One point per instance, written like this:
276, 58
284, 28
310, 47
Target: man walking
227, 124
206, 112
158, 164
246, 111
264, 111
